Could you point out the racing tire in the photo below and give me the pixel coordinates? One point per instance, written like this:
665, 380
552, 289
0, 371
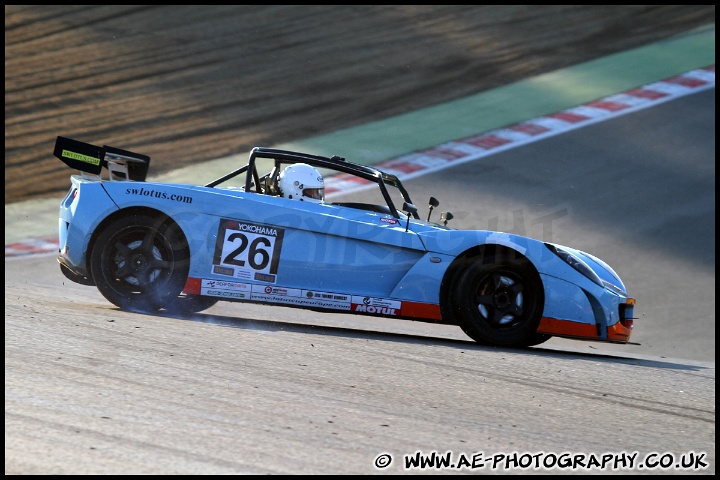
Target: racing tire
141, 263
499, 301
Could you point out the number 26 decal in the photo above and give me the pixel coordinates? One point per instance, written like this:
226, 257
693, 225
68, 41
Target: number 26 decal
248, 247
235, 257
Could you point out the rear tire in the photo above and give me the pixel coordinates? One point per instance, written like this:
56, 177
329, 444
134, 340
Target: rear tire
141, 263
499, 301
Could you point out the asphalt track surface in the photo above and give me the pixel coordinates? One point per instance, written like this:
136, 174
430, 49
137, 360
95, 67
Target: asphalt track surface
256, 389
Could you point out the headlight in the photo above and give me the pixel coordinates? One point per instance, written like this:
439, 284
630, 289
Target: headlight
576, 263
618, 285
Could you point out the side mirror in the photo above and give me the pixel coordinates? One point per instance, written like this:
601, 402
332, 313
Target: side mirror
433, 203
411, 210
446, 217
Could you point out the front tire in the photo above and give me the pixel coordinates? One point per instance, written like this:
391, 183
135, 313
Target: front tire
499, 301
140, 262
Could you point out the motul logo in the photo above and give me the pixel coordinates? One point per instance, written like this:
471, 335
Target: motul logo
371, 309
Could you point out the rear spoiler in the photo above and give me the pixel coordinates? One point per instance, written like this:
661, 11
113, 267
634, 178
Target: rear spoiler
121, 164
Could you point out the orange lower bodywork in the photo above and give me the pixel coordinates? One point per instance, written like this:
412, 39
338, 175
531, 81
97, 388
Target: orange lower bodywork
620, 332
192, 286
553, 326
425, 311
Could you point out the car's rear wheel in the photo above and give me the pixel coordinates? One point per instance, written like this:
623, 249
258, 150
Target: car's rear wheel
499, 301
140, 262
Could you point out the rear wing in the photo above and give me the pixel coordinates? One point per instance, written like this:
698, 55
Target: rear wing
90, 159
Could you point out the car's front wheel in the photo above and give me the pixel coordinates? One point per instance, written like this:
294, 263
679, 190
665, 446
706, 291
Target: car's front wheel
499, 301
140, 262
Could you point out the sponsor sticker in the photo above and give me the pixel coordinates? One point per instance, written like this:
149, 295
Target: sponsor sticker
80, 157
335, 297
378, 306
223, 270
221, 288
376, 310
221, 284
264, 277
376, 302
251, 250
223, 293
298, 297
276, 291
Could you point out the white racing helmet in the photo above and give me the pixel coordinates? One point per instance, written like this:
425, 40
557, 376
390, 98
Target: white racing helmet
303, 182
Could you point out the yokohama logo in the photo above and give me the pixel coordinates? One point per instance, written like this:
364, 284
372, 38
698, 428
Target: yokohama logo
371, 309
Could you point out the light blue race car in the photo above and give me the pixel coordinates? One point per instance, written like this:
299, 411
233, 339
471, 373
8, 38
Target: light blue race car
265, 233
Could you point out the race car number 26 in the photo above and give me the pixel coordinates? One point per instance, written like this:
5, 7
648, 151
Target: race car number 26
248, 249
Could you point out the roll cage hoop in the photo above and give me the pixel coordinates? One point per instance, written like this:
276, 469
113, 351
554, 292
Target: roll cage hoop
265, 184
